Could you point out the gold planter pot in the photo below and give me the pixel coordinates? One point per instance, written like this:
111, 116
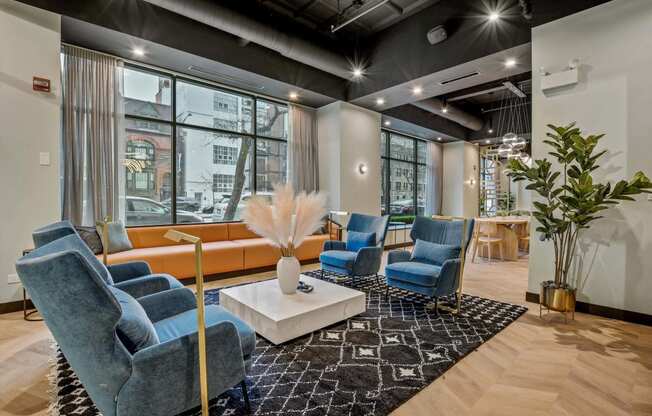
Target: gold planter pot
558, 299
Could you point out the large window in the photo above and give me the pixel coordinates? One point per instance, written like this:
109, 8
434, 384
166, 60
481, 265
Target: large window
403, 165
195, 152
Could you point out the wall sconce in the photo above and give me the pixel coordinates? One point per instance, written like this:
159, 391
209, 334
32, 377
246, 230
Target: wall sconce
362, 168
471, 181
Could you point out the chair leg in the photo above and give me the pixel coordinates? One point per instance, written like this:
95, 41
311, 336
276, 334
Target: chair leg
475, 247
500, 246
245, 396
436, 306
377, 279
489, 251
387, 293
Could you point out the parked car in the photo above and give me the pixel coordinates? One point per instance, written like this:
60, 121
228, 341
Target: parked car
145, 211
183, 203
220, 207
405, 207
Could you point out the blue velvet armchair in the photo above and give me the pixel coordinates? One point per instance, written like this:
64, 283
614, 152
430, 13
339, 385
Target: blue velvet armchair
349, 259
134, 357
135, 277
433, 268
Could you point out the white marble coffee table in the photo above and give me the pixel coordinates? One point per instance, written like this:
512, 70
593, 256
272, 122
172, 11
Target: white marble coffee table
280, 318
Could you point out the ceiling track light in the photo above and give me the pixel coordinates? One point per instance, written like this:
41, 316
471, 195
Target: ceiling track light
380, 101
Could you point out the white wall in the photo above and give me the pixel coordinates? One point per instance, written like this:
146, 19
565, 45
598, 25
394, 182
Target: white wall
614, 96
349, 136
29, 46
460, 197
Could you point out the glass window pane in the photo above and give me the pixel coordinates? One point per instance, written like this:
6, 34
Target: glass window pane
421, 151
208, 107
220, 185
421, 190
401, 148
402, 189
271, 164
271, 119
147, 172
147, 94
383, 144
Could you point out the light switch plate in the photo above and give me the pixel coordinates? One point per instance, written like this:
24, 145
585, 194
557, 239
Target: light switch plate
12, 278
44, 158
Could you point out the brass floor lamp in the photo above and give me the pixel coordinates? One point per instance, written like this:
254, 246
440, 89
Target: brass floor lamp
104, 224
178, 237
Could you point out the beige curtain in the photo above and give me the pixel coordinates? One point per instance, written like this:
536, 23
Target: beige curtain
303, 161
92, 116
434, 173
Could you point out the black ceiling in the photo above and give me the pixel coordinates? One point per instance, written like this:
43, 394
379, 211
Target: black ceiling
390, 40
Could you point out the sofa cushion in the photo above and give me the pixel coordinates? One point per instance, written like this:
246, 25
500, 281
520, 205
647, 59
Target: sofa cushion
118, 239
421, 274
338, 258
356, 240
433, 253
259, 252
240, 231
186, 323
91, 237
134, 329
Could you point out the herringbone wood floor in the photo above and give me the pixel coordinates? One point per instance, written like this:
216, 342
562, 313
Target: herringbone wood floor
591, 366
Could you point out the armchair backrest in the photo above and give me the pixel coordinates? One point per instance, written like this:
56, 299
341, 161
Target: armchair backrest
369, 224
75, 243
442, 231
82, 315
51, 232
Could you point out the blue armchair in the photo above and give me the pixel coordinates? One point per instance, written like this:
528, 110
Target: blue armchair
357, 258
135, 277
134, 357
433, 268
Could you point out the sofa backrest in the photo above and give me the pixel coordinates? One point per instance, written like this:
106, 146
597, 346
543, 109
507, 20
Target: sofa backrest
240, 231
51, 232
143, 237
82, 315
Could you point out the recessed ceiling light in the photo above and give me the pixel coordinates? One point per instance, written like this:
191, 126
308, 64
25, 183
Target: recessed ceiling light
493, 16
487, 141
444, 109
380, 101
417, 90
438, 138
294, 95
138, 51
490, 131
357, 72
387, 122
510, 63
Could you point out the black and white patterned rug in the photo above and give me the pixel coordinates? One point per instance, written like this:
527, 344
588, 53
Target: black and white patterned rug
367, 365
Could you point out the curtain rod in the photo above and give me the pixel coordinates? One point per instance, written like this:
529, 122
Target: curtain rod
176, 73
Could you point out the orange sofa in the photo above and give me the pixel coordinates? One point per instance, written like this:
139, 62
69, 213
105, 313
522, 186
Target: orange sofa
227, 248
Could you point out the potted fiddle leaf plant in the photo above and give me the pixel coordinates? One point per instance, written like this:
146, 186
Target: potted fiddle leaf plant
570, 201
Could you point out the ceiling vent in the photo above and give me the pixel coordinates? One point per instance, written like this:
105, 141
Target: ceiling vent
227, 79
459, 78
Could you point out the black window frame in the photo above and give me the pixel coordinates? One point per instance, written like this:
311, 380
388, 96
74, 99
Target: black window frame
386, 157
175, 125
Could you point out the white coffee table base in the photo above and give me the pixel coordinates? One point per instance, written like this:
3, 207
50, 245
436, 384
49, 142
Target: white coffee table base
280, 318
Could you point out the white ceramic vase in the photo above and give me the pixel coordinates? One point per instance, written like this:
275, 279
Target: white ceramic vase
288, 270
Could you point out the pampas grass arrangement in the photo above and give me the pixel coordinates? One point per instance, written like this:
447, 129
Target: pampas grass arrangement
288, 220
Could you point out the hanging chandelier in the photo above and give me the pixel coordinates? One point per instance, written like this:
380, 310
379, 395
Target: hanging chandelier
513, 123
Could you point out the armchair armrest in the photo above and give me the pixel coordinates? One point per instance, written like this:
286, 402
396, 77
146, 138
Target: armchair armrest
367, 261
448, 277
334, 245
398, 256
165, 377
144, 285
129, 270
168, 303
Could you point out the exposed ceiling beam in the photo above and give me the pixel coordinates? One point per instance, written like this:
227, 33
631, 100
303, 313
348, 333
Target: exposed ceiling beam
474, 94
513, 88
298, 12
